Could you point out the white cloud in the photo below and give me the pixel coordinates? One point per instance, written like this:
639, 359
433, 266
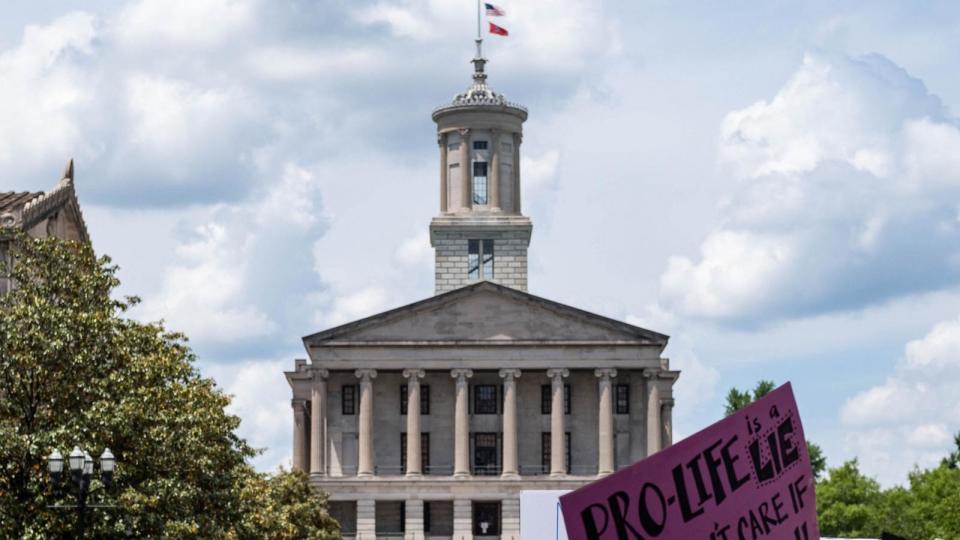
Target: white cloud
200, 23
416, 250
42, 91
910, 418
539, 172
221, 287
550, 34
356, 305
261, 398
849, 170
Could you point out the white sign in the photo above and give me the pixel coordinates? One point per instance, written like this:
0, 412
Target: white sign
540, 517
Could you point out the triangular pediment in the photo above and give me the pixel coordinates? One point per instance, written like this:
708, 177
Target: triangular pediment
486, 312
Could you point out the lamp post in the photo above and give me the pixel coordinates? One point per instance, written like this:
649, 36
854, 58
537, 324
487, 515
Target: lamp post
81, 471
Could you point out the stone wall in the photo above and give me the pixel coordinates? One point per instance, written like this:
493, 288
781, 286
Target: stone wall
510, 258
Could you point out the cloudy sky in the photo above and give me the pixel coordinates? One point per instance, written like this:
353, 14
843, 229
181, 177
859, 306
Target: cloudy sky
775, 185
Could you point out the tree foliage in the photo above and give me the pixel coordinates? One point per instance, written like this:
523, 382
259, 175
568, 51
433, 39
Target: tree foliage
75, 371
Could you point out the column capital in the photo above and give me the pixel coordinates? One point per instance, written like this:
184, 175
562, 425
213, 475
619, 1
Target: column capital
461, 374
464, 132
651, 373
366, 374
557, 374
509, 374
320, 374
299, 405
667, 402
605, 374
517, 138
441, 139
414, 374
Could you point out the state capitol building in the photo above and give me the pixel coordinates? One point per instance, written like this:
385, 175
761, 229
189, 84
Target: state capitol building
428, 420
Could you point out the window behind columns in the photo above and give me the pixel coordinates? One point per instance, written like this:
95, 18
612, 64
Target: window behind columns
348, 399
545, 451
424, 453
546, 398
485, 399
622, 399
424, 399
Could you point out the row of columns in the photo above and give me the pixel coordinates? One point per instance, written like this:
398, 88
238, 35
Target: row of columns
466, 169
659, 414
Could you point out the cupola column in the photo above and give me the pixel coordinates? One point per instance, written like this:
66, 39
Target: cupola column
466, 171
494, 170
442, 141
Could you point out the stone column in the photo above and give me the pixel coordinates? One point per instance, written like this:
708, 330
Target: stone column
653, 412
517, 139
510, 452
494, 170
557, 430
462, 519
299, 435
318, 422
605, 421
413, 528
442, 142
365, 466
666, 420
414, 466
466, 171
366, 519
510, 519
461, 431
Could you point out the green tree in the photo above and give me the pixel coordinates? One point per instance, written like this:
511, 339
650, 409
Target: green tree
738, 399
849, 503
75, 371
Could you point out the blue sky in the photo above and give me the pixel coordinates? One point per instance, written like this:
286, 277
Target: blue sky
776, 185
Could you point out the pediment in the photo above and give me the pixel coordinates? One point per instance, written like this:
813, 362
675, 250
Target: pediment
486, 312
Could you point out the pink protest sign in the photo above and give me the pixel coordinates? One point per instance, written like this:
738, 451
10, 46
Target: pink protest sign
747, 477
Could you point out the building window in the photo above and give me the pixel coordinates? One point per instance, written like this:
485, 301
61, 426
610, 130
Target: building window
486, 518
424, 452
348, 399
546, 446
485, 454
479, 145
546, 398
424, 399
479, 259
485, 399
622, 398
479, 182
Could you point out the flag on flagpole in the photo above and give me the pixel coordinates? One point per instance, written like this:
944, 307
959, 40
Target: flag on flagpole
494, 11
494, 29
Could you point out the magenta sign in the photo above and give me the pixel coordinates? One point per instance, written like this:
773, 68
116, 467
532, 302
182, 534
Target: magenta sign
747, 477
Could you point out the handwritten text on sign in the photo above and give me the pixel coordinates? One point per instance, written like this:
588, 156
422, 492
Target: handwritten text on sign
747, 477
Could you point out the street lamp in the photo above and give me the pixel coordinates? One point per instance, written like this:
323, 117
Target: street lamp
81, 471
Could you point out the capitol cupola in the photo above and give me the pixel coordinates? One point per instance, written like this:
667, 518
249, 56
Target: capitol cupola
480, 233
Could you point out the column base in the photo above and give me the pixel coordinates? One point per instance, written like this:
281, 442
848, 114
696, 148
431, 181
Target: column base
461, 475
509, 476
414, 475
601, 474
558, 474
364, 475
317, 474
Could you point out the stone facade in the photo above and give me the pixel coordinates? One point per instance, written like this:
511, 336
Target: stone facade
427, 421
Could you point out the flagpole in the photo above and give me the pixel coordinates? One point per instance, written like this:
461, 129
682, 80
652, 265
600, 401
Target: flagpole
479, 38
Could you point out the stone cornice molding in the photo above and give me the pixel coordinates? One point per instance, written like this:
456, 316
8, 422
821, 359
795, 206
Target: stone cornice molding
667, 402
365, 375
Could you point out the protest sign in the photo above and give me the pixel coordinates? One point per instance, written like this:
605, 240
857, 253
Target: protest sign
747, 477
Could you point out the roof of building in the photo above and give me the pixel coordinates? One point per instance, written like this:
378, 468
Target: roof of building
480, 94
25, 209
450, 316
